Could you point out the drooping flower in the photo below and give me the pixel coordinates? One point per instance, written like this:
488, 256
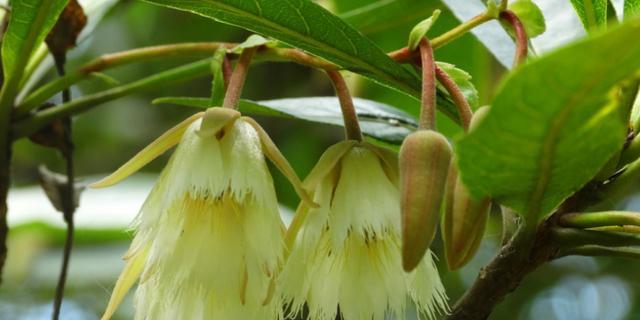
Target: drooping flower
345, 256
209, 238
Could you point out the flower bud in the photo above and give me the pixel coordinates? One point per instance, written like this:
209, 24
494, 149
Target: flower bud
424, 163
463, 222
465, 217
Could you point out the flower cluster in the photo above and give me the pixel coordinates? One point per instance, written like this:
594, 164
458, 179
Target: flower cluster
209, 242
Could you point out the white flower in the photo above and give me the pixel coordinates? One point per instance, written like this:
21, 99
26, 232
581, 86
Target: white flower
345, 255
209, 237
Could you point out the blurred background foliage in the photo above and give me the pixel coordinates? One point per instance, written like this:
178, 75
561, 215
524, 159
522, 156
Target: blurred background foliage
105, 137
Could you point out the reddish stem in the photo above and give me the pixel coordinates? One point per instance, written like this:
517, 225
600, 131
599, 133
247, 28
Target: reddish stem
464, 109
226, 70
428, 112
522, 41
349, 114
236, 82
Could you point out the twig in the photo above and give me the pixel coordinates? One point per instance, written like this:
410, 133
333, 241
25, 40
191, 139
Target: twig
406, 55
349, 115
5, 181
68, 203
571, 238
600, 251
599, 219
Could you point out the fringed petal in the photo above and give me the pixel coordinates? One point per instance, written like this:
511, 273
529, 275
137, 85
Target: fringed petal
273, 153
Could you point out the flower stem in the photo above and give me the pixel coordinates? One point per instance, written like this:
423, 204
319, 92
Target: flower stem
428, 111
351, 125
464, 109
236, 82
522, 41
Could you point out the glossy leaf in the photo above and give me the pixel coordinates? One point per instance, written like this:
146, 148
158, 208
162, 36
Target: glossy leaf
377, 120
551, 116
306, 25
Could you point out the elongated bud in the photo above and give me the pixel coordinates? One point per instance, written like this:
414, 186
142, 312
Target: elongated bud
463, 222
424, 163
465, 217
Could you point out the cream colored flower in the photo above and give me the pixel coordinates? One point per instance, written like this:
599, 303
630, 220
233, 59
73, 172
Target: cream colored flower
209, 237
345, 255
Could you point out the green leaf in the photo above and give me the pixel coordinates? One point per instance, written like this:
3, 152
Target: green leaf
377, 120
530, 15
631, 8
463, 80
29, 23
306, 25
553, 124
420, 30
382, 15
592, 13
254, 40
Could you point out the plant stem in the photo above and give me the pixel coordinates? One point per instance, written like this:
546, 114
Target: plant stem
503, 5
406, 55
522, 41
42, 118
570, 237
62, 279
196, 49
428, 111
236, 82
113, 60
349, 115
599, 219
5, 181
464, 109
601, 251
68, 202
519, 257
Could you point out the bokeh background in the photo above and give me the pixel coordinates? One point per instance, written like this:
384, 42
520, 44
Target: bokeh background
107, 136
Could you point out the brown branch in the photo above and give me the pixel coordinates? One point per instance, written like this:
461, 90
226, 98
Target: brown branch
523, 254
5, 181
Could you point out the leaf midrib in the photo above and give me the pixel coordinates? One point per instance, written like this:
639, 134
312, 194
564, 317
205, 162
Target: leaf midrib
549, 148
